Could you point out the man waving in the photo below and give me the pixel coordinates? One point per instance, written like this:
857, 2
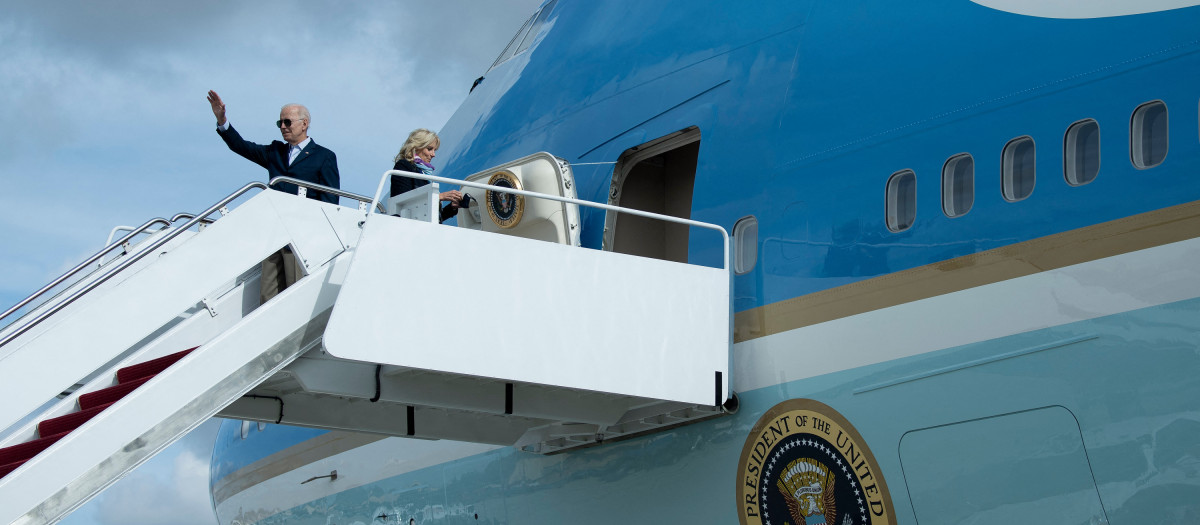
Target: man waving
297, 157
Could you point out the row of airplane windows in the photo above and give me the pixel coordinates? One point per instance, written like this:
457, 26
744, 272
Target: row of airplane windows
1081, 165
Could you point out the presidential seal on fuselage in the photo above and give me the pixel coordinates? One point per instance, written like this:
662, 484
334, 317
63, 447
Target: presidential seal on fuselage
803, 464
505, 209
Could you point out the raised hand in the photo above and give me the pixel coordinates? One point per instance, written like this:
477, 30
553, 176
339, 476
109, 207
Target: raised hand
218, 107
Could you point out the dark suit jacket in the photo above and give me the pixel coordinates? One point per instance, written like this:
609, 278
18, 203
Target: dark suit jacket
406, 184
314, 164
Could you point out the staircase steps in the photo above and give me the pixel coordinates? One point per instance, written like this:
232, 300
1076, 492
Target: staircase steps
107, 396
28, 449
5, 469
69, 422
151, 367
90, 404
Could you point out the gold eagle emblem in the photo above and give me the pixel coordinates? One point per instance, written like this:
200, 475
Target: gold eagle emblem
808, 490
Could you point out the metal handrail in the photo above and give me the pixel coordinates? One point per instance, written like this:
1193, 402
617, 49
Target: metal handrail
126, 263
108, 242
178, 216
590, 204
172, 220
341, 193
99, 255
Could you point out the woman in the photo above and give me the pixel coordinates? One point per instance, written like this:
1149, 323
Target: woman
417, 156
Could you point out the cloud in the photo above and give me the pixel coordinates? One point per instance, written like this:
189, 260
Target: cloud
106, 122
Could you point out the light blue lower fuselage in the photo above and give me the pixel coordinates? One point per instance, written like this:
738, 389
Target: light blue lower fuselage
805, 110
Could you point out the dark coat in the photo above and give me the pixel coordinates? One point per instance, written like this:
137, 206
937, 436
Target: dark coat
406, 184
315, 163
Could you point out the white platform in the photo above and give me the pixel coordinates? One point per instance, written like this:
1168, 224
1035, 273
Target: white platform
479, 304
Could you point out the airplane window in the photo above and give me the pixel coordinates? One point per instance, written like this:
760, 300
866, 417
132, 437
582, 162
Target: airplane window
1081, 152
901, 200
524, 37
509, 50
745, 245
537, 25
1017, 168
958, 185
1148, 135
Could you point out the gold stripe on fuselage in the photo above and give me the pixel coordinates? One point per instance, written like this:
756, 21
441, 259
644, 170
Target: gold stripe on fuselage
1130, 234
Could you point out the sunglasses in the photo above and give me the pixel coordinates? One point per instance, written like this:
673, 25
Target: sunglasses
287, 122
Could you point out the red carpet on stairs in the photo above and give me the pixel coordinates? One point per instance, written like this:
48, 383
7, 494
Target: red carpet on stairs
150, 368
68, 422
90, 404
108, 395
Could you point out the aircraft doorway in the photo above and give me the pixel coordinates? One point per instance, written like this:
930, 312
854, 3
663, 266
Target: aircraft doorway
657, 177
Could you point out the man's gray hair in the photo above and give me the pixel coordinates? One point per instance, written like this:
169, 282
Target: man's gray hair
303, 111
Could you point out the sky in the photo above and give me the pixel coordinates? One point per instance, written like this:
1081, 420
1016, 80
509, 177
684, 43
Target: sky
105, 124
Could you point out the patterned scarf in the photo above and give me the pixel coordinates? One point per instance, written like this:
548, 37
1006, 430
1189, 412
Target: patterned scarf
426, 168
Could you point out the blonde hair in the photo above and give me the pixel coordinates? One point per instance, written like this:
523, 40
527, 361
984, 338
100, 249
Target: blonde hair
420, 138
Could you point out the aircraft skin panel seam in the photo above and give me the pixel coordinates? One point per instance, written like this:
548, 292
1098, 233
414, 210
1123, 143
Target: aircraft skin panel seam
576, 110
978, 362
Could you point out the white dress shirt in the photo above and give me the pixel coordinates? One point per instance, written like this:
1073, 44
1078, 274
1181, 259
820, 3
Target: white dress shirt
294, 150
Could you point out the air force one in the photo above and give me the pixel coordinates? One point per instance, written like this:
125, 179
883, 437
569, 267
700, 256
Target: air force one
788, 262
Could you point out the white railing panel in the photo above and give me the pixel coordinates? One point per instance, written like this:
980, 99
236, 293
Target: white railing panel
468, 302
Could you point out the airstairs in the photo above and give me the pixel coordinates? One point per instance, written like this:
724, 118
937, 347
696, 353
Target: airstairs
497, 331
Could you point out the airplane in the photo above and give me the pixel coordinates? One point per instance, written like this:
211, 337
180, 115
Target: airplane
791, 262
